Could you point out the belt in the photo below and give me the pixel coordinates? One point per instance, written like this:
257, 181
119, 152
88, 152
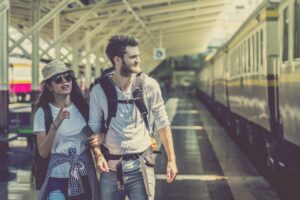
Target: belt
126, 157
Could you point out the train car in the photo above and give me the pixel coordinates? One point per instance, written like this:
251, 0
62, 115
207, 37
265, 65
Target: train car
204, 83
220, 80
251, 75
20, 79
259, 67
287, 150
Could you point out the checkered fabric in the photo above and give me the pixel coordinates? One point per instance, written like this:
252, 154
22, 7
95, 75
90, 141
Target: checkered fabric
81, 165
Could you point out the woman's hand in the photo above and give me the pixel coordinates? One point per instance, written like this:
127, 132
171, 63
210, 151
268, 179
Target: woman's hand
62, 114
96, 140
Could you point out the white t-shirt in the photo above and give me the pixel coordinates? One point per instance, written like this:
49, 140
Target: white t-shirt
69, 134
127, 132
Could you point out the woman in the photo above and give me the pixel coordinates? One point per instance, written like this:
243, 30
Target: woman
71, 173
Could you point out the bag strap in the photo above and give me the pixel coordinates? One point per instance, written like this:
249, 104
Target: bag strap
138, 97
48, 117
112, 101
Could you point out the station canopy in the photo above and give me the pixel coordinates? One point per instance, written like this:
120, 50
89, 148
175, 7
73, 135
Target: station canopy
178, 27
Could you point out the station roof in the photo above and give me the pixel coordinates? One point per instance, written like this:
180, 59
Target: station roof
182, 27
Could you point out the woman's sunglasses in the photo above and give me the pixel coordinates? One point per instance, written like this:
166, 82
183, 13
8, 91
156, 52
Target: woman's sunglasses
58, 79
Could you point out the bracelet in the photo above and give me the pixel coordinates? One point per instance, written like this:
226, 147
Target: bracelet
98, 156
53, 125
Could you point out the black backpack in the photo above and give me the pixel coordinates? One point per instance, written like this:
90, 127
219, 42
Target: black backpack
40, 164
112, 101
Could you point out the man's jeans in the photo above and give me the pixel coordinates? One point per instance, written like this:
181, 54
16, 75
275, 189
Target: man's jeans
134, 186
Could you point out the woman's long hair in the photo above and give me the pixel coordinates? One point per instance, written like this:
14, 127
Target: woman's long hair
76, 97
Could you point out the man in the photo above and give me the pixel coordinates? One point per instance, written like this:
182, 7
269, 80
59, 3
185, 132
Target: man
127, 139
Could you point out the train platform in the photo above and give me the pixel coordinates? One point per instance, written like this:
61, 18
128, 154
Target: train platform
210, 165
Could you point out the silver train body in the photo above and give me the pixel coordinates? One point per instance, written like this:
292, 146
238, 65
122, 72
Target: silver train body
252, 83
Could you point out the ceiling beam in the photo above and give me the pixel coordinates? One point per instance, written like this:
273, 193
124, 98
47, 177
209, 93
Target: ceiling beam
181, 6
183, 14
137, 18
75, 26
164, 26
75, 12
42, 22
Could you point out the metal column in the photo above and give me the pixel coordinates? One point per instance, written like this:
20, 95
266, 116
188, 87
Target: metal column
76, 55
35, 52
4, 95
56, 36
4, 86
88, 67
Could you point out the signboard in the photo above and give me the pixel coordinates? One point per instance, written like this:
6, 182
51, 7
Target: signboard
159, 53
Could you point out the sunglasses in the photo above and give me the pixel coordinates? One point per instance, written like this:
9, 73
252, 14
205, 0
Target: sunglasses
58, 79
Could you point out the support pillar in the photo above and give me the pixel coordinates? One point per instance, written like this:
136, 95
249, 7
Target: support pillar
57, 30
4, 93
76, 55
35, 52
4, 85
88, 67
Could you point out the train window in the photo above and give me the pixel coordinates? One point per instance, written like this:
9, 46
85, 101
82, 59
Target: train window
261, 47
297, 30
240, 59
245, 56
249, 56
285, 49
257, 51
253, 53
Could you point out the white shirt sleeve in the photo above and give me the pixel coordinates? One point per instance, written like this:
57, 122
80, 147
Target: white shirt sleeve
39, 121
156, 103
96, 109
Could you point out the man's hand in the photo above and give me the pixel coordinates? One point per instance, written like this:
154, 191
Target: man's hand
171, 171
102, 164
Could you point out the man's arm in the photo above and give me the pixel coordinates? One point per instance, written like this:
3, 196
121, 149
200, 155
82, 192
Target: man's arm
167, 141
95, 141
97, 138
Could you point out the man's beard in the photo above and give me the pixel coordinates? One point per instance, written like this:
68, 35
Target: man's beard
127, 71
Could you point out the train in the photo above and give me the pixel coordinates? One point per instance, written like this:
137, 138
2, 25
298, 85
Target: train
252, 84
20, 79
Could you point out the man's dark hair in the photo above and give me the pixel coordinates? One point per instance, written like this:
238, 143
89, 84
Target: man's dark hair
117, 44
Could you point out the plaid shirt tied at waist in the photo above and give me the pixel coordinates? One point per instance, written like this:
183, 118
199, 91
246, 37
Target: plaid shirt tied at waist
81, 165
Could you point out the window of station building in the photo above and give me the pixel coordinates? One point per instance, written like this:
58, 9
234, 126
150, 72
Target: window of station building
285, 49
297, 30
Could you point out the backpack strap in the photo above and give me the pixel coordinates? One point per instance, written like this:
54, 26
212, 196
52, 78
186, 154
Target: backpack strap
138, 97
112, 101
40, 165
48, 117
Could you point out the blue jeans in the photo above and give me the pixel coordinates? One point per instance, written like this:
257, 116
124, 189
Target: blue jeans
57, 189
134, 186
